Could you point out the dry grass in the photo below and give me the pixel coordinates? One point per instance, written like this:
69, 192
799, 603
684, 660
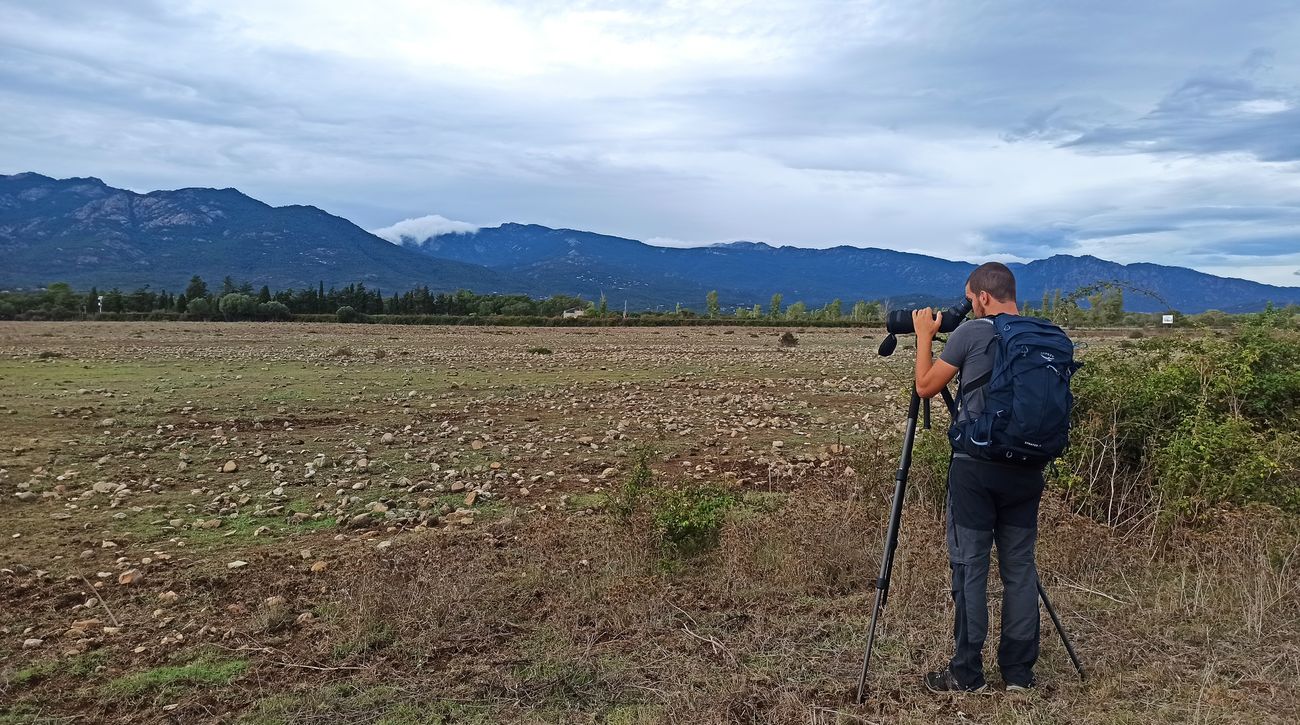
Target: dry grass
554, 614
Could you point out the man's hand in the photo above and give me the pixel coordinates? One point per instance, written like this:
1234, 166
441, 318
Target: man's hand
926, 323
931, 376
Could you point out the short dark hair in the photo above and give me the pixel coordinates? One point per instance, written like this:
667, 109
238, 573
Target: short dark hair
994, 278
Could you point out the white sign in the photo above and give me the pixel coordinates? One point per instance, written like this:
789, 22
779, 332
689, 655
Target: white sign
1168, 319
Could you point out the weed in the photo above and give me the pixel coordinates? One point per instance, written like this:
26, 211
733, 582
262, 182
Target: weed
624, 502
689, 519
788, 339
540, 350
48, 354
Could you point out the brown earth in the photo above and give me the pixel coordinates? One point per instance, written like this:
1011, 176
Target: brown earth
426, 517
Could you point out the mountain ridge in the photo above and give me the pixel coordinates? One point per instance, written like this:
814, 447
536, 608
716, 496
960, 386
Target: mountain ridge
82, 231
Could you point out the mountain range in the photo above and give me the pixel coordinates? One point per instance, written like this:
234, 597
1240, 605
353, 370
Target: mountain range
84, 232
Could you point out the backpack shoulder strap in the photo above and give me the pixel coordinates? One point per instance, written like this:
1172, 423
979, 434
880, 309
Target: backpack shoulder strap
982, 380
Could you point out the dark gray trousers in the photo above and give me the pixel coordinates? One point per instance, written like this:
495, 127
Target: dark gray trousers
993, 503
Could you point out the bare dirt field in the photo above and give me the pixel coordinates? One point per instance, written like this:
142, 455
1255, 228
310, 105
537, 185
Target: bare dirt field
301, 523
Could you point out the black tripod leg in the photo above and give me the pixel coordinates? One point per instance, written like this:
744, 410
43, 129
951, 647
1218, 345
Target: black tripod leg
891, 536
1069, 648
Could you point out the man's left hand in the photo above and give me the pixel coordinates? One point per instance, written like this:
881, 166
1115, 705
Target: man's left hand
925, 322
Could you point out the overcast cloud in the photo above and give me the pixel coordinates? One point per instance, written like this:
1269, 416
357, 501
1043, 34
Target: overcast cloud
1153, 131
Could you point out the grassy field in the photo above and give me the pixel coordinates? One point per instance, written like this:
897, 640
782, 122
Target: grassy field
293, 523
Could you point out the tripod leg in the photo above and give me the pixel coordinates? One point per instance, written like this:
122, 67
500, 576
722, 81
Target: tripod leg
1069, 647
891, 536
866, 657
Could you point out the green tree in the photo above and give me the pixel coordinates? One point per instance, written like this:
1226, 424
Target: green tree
834, 310
238, 306
196, 288
757, 312
711, 300
797, 311
114, 301
199, 308
774, 308
92, 301
228, 286
604, 305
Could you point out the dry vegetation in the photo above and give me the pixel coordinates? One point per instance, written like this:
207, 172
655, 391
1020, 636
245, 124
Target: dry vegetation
317, 524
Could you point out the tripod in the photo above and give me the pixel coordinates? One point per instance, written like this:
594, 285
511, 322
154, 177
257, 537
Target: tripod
914, 409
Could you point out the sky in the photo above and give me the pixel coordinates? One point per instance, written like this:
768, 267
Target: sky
1150, 131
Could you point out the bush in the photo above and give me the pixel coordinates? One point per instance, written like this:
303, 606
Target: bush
347, 314
689, 520
1187, 424
274, 311
788, 339
235, 306
200, 308
540, 350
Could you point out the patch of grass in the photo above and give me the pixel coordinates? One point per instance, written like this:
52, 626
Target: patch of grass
540, 350
48, 354
202, 671
80, 666
373, 637
595, 501
352, 703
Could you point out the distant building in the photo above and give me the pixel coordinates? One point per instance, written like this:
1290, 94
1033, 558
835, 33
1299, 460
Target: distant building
574, 312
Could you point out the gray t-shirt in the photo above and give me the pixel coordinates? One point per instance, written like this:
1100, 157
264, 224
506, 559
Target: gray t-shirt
969, 349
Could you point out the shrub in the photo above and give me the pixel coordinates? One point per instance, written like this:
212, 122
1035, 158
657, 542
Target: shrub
347, 314
274, 311
689, 520
235, 306
200, 308
1187, 424
540, 350
788, 339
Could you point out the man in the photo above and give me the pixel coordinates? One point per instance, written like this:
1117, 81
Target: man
987, 502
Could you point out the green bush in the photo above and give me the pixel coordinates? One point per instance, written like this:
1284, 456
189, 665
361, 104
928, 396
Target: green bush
689, 520
1188, 423
347, 314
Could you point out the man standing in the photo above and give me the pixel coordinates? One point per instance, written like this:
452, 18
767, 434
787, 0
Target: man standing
988, 501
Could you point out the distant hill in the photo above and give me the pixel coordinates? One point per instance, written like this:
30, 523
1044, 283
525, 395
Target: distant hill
84, 232
748, 272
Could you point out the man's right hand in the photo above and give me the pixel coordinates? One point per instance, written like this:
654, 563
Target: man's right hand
926, 323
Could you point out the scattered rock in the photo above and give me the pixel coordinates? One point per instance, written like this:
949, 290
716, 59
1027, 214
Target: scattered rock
130, 577
237, 564
32, 643
319, 567
230, 467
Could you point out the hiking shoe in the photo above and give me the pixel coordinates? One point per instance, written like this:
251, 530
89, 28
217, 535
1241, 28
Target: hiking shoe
1014, 687
943, 681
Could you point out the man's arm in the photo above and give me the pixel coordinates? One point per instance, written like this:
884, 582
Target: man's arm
931, 375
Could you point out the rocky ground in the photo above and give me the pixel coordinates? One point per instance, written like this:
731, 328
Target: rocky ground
329, 523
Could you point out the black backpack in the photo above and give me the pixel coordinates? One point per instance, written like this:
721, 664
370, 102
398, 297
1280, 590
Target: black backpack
1027, 399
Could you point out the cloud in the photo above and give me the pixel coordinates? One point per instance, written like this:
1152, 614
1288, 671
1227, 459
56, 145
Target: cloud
1133, 131
422, 228
1225, 111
